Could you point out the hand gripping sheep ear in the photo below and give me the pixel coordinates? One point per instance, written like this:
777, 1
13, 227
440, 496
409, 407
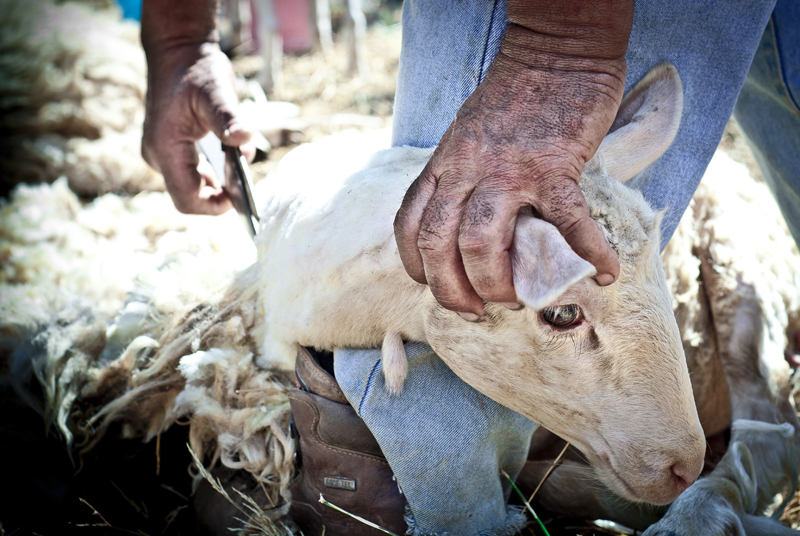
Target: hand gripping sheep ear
543, 264
326, 280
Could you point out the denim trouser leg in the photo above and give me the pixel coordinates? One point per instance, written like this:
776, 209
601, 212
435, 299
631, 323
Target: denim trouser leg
447, 48
768, 109
445, 442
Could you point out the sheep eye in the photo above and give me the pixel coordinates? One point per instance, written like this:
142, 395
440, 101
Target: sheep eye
561, 316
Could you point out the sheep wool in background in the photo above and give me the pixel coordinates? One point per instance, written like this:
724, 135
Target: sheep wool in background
72, 89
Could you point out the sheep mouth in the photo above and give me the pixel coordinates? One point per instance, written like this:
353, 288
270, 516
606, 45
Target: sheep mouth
623, 488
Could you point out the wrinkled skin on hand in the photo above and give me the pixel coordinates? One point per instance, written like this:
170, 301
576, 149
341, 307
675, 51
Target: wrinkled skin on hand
191, 91
521, 139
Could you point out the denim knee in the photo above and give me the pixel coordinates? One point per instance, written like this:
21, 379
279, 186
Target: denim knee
446, 442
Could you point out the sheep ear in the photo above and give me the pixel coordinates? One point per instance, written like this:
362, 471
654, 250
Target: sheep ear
543, 264
646, 123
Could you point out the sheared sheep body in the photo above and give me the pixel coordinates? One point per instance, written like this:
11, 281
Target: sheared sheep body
149, 365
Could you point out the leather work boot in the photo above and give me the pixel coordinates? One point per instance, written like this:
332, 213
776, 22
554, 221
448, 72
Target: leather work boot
339, 458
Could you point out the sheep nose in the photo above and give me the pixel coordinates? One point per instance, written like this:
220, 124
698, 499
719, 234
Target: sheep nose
684, 476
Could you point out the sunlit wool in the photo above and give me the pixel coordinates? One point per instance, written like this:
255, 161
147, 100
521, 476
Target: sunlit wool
73, 82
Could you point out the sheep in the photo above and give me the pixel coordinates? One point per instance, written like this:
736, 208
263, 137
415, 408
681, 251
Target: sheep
358, 295
348, 289
734, 288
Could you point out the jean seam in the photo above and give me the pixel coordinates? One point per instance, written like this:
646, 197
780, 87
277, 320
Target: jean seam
776, 44
486, 44
366, 389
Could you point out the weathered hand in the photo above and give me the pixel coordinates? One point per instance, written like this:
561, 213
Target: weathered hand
522, 138
191, 91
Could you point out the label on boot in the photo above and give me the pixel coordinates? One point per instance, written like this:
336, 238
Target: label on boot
339, 483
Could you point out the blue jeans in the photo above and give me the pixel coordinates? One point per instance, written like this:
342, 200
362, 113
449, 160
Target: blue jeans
446, 442
768, 110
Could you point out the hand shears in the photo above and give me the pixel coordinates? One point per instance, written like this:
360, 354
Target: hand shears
231, 166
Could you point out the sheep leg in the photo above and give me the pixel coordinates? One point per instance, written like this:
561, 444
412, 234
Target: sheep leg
574, 490
394, 362
758, 473
726, 503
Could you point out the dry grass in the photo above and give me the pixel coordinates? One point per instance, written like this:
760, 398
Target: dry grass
257, 521
324, 93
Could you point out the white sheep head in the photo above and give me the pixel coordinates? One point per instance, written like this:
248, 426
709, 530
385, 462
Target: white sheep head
602, 367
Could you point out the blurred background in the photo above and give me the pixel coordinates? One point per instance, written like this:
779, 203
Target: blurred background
73, 82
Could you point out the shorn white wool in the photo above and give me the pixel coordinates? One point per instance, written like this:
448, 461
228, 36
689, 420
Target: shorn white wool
734, 229
73, 82
99, 250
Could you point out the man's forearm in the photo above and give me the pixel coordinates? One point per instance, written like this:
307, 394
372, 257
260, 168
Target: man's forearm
167, 23
191, 90
583, 28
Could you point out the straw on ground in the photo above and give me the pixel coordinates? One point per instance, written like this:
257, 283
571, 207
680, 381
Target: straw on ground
527, 504
342, 510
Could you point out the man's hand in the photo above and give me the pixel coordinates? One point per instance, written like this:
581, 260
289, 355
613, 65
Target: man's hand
522, 138
191, 91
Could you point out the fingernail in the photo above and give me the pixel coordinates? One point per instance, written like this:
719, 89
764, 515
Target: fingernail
604, 279
514, 306
233, 130
469, 317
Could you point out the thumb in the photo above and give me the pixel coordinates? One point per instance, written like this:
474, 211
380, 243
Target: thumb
408, 222
565, 207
